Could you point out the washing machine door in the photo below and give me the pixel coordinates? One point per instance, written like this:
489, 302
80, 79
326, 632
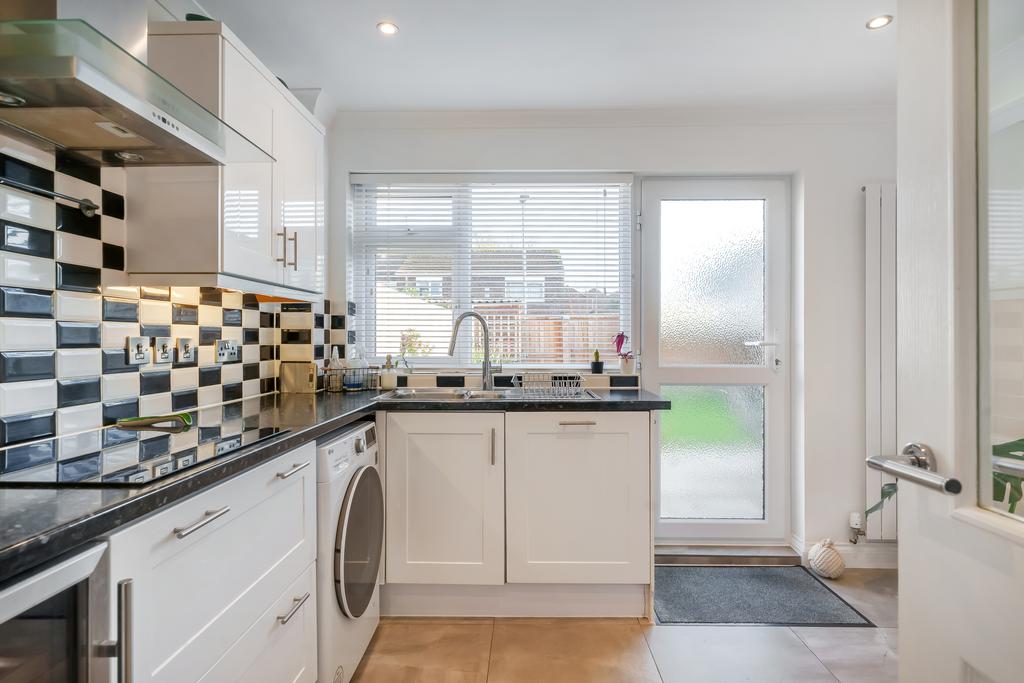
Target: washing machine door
360, 539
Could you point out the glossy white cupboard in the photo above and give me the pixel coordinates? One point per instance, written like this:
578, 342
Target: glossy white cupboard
445, 512
519, 497
253, 225
578, 499
212, 574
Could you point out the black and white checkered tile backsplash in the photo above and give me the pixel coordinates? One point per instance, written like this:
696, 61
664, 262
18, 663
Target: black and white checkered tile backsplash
66, 311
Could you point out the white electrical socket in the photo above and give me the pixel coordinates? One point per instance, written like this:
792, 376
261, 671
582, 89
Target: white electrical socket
856, 520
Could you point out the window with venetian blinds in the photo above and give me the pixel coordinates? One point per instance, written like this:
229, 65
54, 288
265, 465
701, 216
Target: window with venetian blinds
546, 260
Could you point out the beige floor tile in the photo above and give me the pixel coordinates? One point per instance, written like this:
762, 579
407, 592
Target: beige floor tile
730, 654
872, 592
428, 651
891, 637
853, 655
570, 651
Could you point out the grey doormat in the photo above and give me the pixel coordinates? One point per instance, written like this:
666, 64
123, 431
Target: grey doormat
748, 595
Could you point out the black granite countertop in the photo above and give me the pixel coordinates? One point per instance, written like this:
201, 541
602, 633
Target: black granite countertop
41, 523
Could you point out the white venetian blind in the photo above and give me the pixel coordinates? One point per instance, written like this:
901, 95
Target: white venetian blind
545, 260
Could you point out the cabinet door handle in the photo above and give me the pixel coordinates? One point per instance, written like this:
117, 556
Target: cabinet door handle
209, 516
283, 258
577, 423
493, 435
294, 239
297, 604
125, 631
294, 470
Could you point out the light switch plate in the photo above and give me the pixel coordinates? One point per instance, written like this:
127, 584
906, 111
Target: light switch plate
163, 349
228, 351
186, 350
137, 350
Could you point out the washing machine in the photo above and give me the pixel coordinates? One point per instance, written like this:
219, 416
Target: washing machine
350, 540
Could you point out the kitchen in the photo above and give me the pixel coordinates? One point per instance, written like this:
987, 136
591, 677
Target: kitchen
397, 352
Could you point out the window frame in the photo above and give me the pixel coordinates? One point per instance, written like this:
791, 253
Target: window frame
460, 230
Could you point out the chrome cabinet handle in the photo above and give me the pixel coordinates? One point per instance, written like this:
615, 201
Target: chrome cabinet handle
577, 423
294, 239
297, 604
209, 516
283, 258
916, 463
125, 630
493, 435
294, 470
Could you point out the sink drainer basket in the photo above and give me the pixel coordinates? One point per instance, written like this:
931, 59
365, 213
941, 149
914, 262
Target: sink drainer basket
548, 385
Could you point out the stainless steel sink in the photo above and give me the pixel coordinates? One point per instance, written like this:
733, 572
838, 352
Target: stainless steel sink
446, 395
460, 394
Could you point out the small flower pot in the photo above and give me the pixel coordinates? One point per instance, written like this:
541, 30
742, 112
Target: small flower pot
627, 366
597, 367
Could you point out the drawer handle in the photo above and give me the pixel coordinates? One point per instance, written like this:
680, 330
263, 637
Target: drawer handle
294, 470
577, 423
297, 604
209, 516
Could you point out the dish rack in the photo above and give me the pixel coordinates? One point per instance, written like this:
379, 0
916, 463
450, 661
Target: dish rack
351, 379
548, 385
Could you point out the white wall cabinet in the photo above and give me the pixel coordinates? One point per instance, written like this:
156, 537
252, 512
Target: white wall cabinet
212, 573
578, 497
260, 223
445, 498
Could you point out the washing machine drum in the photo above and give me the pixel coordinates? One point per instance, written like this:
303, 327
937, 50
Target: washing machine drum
357, 548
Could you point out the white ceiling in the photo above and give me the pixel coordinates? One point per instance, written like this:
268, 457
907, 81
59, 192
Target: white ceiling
573, 54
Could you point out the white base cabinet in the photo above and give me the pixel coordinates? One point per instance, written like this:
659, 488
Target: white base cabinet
578, 497
445, 498
211, 573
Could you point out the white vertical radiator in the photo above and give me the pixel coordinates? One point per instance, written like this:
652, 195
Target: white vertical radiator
880, 348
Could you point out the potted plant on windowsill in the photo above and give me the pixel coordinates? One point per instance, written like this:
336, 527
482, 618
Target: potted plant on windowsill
627, 361
597, 365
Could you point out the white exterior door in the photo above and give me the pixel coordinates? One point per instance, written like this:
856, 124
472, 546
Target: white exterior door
445, 515
961, 557
714, 341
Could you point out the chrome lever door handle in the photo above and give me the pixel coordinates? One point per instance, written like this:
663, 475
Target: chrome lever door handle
916, 463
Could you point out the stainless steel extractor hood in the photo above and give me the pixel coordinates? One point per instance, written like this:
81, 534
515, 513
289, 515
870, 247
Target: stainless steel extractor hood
64, 85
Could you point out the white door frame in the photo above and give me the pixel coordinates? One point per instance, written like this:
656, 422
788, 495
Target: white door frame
776, 190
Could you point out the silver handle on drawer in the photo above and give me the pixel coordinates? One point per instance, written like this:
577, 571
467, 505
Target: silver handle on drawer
183, 531
125, 630
577, 423
283, 258
294, 239
294, 470
297, 604
493, 435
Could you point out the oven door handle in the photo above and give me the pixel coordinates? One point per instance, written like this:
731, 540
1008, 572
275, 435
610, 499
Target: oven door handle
124, 647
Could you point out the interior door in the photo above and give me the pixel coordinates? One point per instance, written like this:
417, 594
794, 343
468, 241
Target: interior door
714, 342
960, 336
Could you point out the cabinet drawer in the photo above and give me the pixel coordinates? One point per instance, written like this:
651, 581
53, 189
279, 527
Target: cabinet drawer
578, 497
281, 645
206, 568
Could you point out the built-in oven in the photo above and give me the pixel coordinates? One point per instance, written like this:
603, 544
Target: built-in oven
51, 622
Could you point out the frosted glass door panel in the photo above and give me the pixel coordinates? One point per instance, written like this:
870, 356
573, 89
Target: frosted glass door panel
712, 453
712, 281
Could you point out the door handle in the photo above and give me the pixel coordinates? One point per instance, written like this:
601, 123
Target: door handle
577, 423
916, 463
294, 470
209, 516
283, 258
759, 343
493, 436
297, 604
294, 239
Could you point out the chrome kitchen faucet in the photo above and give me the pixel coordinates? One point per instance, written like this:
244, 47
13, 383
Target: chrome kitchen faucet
485, 368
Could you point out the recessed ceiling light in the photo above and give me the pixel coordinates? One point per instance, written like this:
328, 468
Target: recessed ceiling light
388, 28
128, 156
880, 21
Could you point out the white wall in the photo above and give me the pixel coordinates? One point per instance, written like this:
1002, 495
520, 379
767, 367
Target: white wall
829, 154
